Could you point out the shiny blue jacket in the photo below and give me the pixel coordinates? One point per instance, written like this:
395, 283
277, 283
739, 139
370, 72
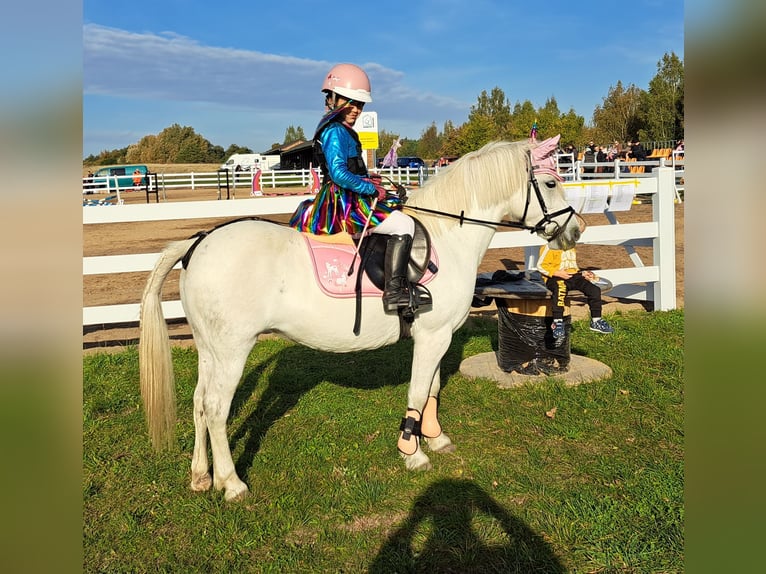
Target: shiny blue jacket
338, 146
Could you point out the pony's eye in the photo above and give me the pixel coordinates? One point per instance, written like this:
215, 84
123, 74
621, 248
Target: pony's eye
550, 183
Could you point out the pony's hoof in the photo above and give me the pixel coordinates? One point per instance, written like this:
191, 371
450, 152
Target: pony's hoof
236, 494
418, 461
441, 444
446, 449
202, 483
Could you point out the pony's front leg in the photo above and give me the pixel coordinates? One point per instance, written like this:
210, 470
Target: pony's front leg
414, 426
431, 428
409, 442
422, 403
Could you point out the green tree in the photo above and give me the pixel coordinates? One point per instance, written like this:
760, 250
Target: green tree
620, 116
496, 108
193, 149
215, 154
451, 141
429, 143
409, 147
524, 116
233, 148
107, 157
293, 134
475, 133
664, 100
549, 119
385, 139
571, 127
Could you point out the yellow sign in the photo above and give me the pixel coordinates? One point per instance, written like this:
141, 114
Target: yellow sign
369, 140
367, 127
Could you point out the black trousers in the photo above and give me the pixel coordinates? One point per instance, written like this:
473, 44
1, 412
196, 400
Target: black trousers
560, 287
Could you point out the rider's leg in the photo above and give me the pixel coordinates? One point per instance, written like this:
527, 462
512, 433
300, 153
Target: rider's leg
401, 228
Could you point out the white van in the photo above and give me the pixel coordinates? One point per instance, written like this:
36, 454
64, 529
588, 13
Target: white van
250, 162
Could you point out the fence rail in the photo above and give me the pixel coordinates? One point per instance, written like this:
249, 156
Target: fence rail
653, 282
232, 181
242, 181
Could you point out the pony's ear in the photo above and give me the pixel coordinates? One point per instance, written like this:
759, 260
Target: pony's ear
545, 148
542, 157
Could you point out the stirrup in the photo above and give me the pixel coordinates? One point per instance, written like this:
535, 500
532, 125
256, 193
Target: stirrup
420, 295
398, 295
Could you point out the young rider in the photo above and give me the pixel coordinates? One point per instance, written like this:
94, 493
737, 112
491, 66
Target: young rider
349, 197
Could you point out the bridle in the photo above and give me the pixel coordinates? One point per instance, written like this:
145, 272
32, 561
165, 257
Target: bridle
539, 227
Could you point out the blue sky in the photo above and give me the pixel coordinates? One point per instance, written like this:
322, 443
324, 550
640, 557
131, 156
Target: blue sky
242, 72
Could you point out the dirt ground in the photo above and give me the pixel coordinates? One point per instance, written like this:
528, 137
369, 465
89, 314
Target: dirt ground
151, 237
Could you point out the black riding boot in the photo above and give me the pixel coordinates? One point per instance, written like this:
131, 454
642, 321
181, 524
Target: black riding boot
396, 294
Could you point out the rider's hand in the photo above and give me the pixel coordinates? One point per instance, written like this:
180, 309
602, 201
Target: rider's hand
382, 191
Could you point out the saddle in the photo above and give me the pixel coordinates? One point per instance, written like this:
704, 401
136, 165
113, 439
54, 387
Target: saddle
340, 274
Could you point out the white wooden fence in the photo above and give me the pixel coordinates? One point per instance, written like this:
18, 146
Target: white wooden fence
240, 183
653, 282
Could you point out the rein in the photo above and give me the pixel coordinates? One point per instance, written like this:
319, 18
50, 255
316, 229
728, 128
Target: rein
539, 227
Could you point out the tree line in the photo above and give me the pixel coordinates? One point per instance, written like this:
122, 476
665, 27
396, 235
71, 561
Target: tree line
626, 112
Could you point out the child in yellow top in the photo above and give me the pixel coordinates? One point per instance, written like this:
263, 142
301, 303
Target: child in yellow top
560, 270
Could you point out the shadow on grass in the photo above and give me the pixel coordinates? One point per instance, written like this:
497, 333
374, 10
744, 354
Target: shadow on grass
440, 535
295, 370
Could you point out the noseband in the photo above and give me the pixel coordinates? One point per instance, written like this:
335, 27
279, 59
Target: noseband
539, 227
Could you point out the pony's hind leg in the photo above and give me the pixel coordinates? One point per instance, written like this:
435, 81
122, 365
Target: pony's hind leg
220, 372
200, 473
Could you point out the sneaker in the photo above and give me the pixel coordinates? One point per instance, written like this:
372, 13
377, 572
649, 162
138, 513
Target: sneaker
601, 326
558, 329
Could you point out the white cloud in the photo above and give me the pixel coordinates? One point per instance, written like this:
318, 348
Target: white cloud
176, 68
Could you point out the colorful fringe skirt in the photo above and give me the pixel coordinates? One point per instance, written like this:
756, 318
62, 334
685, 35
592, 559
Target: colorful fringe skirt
333, 210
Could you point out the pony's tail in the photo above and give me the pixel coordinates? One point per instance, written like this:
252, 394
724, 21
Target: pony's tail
154, 357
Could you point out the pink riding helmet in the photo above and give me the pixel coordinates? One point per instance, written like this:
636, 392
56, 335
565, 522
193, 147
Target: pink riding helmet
349, 81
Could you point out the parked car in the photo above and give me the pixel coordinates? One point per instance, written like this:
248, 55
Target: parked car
122, 176
410, 162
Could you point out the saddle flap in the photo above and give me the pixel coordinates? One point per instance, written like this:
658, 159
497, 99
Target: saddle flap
332, 256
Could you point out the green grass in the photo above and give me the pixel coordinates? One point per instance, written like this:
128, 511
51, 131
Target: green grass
598, 488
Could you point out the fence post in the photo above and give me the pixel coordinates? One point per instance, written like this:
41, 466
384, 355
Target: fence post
664, 245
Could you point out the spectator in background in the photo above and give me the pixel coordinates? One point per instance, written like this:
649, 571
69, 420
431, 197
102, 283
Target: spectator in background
601, 158
567, 159
137, 178
561, 273
589, 156
679, 149
637, 150
88, 187
614, 151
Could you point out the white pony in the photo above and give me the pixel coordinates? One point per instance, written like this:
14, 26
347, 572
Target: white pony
252, 277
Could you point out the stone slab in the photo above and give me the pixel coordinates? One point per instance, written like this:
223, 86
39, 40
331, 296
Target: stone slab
581, 370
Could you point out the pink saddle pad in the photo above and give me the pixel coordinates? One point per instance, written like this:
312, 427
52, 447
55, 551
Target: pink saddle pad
332, 260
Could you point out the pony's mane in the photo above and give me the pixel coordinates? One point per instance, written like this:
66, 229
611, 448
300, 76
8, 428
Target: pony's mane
477, 180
